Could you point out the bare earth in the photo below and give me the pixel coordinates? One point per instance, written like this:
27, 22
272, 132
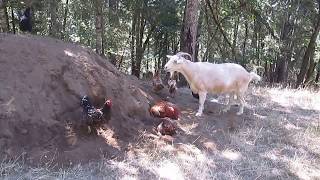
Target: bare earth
42, 79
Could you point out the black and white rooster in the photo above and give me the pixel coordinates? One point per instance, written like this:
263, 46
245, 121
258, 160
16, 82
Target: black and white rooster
95, 117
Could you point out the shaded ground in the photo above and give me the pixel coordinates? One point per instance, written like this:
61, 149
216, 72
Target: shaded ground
277, 137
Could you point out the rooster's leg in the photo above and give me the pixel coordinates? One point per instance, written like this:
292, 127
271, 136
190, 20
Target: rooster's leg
89, 129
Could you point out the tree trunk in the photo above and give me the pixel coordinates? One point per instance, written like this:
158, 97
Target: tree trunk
311, 68
3, 17
254, 44
267, 69
139, 38
147, 63
199, 27
54, 26
12, 22
140, 44
160, 53
64, 24
132, 46
99, 24
166, 43
190, 27
234, 42
188, 40
156, 46
318, 73
286, 45
306, 58
243, 62
7, 20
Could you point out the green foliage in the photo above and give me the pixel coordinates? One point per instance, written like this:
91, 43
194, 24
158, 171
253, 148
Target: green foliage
254, 42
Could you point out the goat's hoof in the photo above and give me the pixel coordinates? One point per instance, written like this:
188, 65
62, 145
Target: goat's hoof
198, 114
239, 113
225, 110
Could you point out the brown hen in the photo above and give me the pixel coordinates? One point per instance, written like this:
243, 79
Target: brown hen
164, 109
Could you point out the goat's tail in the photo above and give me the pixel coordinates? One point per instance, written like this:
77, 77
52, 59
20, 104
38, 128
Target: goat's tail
254, 76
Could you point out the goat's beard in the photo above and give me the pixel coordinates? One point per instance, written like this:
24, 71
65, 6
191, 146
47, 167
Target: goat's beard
172, 74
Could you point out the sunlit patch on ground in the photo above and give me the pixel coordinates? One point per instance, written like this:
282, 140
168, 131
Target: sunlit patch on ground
231, 155
170, 170
304, 99
108, 136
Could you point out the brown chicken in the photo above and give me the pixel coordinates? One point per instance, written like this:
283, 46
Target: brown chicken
157, 82
166, 127
164, 109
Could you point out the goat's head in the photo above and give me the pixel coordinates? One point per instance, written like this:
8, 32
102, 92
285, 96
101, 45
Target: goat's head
175, 62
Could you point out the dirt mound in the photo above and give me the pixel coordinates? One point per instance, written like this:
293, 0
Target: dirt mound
42, 80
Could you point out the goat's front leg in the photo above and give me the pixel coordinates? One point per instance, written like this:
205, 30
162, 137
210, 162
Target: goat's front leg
230, 101
202, 99
242, 103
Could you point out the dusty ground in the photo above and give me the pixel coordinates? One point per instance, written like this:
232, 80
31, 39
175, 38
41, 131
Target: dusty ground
277, 137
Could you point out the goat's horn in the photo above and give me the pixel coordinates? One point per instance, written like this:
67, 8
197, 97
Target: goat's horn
184, 53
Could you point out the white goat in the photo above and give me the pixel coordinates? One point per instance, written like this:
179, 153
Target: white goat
204, 77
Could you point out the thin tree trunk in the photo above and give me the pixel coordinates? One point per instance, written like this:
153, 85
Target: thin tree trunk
307, 55
164, 60
66, 9
199, 28
267, 71
12, 22
318, 72
235, 36
243, 62
156, 45
254, 44
121, 59
147, 63
139, 39
311, 68
54, 26
99, 24
7, 19
160, 54
3, 17
132, 43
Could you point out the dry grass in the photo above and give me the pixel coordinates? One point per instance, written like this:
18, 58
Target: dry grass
281, 142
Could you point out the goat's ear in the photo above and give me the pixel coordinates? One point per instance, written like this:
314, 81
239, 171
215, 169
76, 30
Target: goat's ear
169, 56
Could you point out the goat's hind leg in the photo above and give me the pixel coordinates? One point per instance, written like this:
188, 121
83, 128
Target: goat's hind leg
230, 101
202, 99
242, 103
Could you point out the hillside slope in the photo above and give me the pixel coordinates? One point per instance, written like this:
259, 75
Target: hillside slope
41, 82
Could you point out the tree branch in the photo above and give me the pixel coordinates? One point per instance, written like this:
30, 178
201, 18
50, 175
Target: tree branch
259, 17
215, 19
